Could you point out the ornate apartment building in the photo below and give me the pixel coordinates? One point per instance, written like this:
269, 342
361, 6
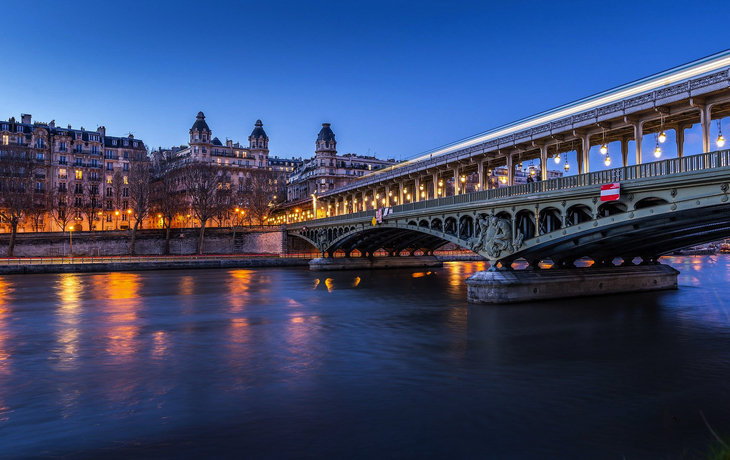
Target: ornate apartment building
327, 170
80, 175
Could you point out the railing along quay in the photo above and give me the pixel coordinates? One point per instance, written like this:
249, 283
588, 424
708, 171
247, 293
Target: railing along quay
703, 161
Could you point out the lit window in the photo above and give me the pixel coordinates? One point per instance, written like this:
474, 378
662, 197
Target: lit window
5, 139
62, 173
78, 174
108, 179
126, 179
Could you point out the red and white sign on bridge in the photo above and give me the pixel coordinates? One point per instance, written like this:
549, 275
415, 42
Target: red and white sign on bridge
610, 192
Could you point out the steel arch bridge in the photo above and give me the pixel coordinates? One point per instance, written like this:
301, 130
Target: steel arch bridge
663, 206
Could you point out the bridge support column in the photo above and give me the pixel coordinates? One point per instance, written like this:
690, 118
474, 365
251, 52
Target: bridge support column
704, 122
679, 130
638, 138
510, 170
457, 184
543, 161
586, 141
624, 151
480, 173
417, 189
436, 185
500, 287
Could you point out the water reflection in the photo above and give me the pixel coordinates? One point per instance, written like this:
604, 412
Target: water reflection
68, 289
160, 360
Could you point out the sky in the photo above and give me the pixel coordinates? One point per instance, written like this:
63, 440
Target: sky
393, 78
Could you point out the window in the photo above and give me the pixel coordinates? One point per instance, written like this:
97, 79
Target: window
124, 217
108, 179
78, 162
62, 147
79, 189
125, 193
79, 136
125, 167
18, 129
110, 155
94, 176
78, 204
94, 163
79, 175
125, 204
94, 149
5, 139
126, 143
62, 214
39, 156
39, 186
109, 166
125, 155
39, 143
109, 191
126, 180
114, 142
62, 189
62, 173
135, 144
93, 137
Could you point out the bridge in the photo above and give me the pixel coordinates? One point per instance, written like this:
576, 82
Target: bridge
664, 204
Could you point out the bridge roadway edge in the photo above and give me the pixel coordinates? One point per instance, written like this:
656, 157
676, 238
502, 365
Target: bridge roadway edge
513, 286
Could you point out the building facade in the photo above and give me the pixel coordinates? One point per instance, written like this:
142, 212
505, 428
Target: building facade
78, 173
327, 170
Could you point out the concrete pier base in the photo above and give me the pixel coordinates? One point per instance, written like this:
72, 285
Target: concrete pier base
360, 263
529, 285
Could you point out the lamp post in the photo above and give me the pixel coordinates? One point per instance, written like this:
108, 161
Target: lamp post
71, 240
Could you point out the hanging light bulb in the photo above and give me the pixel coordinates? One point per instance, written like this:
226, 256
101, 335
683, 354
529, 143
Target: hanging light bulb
658, 151
607, 161
662, 137
532, 171
604, 149
567, 166
720, 139
557, 158
519, 165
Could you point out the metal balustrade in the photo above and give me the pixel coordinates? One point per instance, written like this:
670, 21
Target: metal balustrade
703, 161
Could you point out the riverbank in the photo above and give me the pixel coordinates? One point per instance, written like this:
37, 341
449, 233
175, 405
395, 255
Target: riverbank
38, 265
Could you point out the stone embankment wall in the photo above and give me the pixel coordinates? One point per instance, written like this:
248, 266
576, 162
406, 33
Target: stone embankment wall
149, 242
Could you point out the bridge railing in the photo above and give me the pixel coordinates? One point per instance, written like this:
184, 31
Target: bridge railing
690, 163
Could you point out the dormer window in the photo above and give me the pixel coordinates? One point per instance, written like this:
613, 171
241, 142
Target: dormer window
126, 143
78, 136
18, 129
135, 144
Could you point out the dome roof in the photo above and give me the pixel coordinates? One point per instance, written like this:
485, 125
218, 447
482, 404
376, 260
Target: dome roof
325, 134
258, 131
200, 123
216, 141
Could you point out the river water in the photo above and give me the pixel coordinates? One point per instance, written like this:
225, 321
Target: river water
287, 363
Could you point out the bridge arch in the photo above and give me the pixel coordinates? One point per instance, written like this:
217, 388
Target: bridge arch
577, 214
611, 208
525, 221
550, 219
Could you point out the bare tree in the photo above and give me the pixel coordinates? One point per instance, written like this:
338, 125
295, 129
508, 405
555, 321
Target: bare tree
167, 199
61, 204
202, 182
90, 204
260, 188
139, 193
17, 169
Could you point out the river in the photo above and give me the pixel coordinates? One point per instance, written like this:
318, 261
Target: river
288, 363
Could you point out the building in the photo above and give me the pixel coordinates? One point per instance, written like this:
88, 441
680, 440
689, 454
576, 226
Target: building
77, 174
327, 170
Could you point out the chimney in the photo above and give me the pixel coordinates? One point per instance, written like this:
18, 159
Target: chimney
102, 131
82, 128
52, 124
26, 117
69, 126
229, 143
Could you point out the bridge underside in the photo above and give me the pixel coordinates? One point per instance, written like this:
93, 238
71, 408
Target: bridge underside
647, 238
392, 240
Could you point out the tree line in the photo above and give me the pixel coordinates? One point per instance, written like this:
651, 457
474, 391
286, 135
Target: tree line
168, 193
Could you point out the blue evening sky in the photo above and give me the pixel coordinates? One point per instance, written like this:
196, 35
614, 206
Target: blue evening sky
394, 78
